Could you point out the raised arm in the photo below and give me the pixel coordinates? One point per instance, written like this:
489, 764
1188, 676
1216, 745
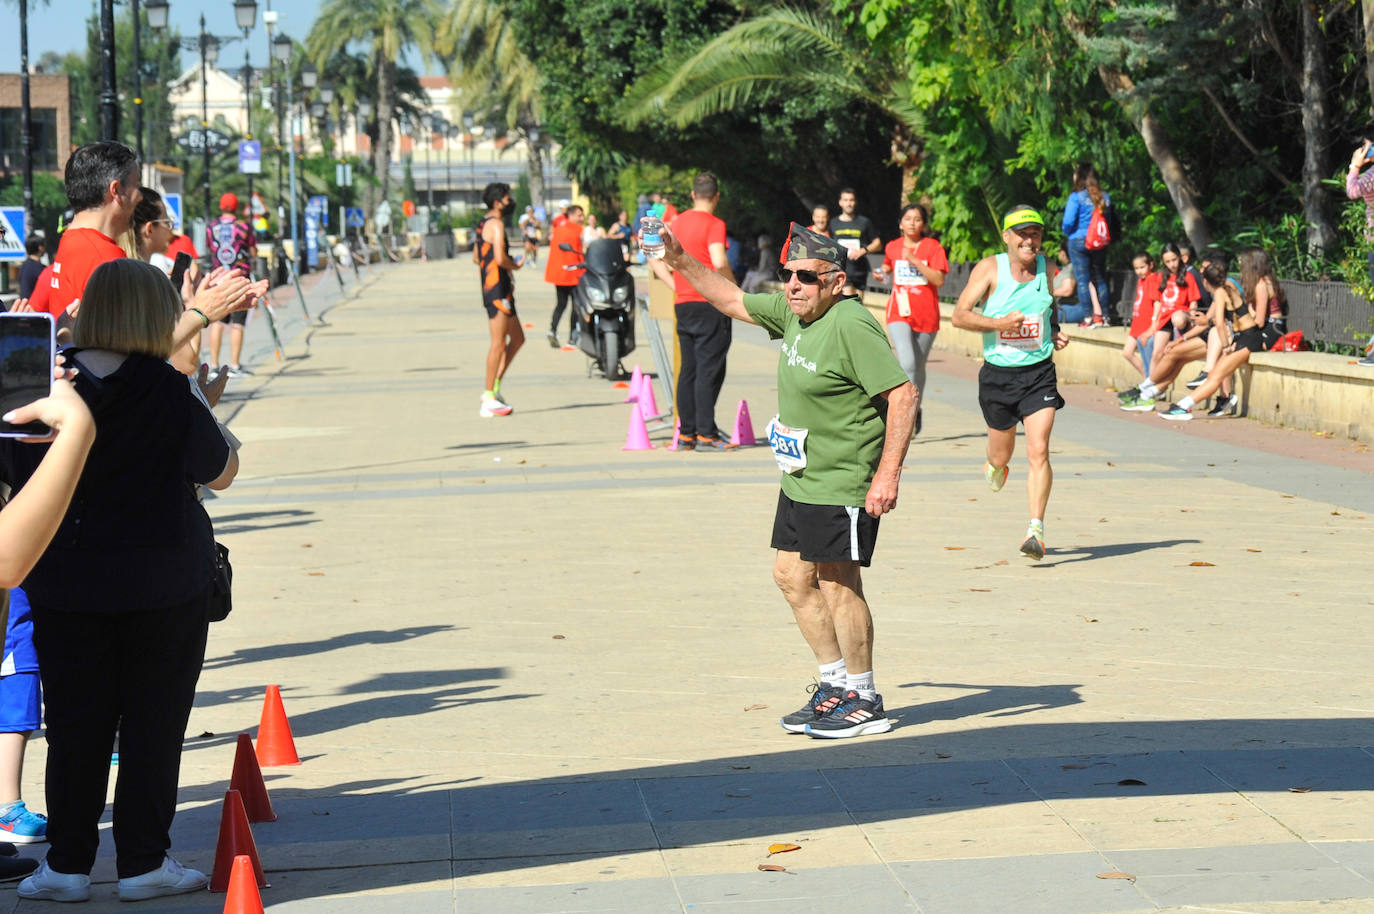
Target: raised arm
723, 294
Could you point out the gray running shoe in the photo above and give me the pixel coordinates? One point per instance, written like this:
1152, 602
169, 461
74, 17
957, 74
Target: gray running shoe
824, 697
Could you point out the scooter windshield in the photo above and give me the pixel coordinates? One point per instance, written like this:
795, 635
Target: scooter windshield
605, 256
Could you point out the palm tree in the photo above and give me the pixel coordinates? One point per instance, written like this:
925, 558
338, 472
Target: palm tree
491, 74
758, 58
387, 28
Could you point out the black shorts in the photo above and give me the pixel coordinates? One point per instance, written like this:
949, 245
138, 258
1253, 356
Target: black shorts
1009, 395
825, 533
500, 306
238, 317
1252, 339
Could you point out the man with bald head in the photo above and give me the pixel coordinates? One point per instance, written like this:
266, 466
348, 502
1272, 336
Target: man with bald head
845, 413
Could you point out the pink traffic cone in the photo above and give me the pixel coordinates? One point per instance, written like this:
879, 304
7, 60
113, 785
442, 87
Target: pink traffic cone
635, 377
677, 435
637, 436
744, 426
648, 407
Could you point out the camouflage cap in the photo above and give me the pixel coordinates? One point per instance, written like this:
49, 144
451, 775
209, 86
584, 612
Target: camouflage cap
804, 244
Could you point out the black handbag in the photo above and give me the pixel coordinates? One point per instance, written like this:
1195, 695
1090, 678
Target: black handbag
221, 585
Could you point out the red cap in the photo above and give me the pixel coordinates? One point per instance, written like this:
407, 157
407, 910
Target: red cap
229, 203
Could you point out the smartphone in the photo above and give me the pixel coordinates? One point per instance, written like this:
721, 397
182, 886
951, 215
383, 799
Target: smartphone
183, 263
28, 349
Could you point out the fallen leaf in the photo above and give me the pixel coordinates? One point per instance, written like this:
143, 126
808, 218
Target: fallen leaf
739, 767
1110, 464
1130, 782
1299, 789
738, 796
1000, 562
1288, 496
1116, 875
756, 707
1252, 550
315, 574
953, 548
1072, 766
942, 755
1102, 520
1202, 564
205, 735
980, 590
560, 637
782, 848
1335, 513
1086, 619
306, 546
771, 868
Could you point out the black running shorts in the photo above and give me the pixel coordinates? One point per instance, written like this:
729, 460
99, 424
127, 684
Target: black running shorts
825, 533
1009, 395
237, 317
500, 306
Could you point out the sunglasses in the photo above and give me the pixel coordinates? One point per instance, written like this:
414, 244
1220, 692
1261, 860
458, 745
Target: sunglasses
805, 277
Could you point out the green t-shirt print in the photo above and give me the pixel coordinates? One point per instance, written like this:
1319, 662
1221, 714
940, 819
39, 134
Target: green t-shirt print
831, 377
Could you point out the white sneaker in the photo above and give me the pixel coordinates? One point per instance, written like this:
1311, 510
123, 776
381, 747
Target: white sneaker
492, 407
47, 884
169, 879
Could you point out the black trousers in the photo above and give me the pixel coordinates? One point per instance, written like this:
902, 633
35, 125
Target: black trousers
565, 294
703, 335
133, 673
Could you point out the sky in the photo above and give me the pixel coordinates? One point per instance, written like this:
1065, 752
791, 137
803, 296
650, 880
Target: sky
56, 26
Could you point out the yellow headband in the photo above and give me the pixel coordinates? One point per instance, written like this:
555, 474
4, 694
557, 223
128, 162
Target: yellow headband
1021, 217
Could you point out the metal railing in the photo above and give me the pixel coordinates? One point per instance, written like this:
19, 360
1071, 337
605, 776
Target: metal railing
1329, 314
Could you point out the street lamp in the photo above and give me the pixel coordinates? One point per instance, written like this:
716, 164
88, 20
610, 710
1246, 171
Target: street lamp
246, 17
281, 52
428, 121
468, 122
109, 97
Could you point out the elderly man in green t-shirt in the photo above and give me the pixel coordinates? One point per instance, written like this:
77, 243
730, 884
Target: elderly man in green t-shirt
845, 414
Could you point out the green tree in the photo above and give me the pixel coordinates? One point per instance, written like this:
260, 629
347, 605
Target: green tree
387, 29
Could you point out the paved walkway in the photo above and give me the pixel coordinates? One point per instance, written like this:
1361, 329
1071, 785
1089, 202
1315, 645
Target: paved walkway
530, 672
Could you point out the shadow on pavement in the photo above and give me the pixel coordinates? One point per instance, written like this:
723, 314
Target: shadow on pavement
1088, 553
304, 648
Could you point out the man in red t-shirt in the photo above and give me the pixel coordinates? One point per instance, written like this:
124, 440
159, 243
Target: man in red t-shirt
568, 232
103, 188
703, 332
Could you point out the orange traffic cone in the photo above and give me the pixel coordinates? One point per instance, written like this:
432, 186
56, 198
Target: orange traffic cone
635, 377
243, 895
648, 406
744, 426
275, 745
235, 839
637, 436
247, 780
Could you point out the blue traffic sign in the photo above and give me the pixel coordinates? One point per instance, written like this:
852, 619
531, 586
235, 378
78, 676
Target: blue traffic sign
173, 203
12, 234
353, 217
250, 157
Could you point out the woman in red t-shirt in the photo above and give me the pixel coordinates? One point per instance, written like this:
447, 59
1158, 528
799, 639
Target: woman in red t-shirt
918, 265
1142, 314
1178, 292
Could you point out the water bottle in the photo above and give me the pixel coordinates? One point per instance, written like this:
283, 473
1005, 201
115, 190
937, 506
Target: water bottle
650, 239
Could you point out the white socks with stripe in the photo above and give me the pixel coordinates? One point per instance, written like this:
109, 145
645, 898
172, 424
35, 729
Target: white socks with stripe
833, 674
863, 684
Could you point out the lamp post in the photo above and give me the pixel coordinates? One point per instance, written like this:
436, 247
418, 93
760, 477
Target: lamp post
450, 132
468, 121
281, 53
246, 17
309, 77
427, 121
327, 97
109, 98
25, 115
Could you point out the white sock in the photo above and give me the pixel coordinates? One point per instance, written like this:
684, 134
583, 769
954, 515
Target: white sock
863, 684
1186, 403
1148, 389
833, 673
1037, 524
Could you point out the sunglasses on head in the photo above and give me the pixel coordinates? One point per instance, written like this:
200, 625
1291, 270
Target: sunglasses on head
805, 277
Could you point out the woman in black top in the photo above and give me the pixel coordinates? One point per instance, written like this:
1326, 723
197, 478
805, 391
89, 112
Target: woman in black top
120, 598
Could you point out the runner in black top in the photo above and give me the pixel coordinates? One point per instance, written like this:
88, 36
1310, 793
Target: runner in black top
492, 255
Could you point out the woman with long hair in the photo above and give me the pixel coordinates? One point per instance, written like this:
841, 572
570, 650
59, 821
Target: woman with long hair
122, 598
1089, 266
1249, 329
918, 265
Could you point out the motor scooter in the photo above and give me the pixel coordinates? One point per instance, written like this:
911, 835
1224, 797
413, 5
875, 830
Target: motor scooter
604, 300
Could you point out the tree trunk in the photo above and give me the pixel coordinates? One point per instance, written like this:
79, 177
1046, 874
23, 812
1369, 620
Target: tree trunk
1161, 150
1315, 133
381, 152
534, 161
1367, 7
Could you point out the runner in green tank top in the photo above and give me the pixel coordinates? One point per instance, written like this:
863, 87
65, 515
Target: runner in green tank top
1017, 383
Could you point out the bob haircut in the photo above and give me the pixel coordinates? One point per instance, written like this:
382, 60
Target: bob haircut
129, 307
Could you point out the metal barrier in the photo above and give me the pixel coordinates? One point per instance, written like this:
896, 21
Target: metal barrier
1328, 313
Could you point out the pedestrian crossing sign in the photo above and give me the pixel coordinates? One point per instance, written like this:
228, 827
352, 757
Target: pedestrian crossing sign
12, 235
